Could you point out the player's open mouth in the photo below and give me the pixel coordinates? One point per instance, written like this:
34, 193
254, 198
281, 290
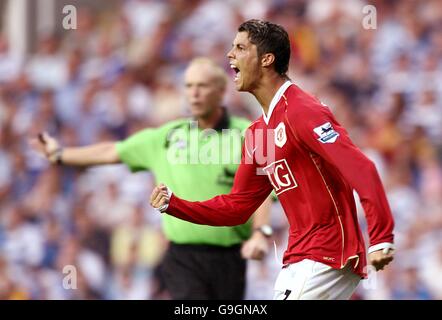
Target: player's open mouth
237, 72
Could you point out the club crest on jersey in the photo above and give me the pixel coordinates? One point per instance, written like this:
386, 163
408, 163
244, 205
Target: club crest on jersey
280, 136
326, 133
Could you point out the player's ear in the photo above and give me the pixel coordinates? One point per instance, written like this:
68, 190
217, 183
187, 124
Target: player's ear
267, 59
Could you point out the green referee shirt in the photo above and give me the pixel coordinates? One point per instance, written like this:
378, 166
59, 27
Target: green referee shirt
196, 165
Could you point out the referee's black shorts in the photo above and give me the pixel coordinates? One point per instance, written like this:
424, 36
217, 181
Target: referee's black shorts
204, 272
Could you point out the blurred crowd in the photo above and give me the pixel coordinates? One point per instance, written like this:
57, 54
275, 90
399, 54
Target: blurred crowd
121, 70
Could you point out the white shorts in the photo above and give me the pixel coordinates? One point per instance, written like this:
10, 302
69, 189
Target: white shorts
311, 280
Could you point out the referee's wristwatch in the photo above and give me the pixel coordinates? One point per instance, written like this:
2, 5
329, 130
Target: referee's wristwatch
266, 230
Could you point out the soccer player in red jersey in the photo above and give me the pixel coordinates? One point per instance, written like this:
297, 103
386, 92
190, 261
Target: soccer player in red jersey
299, 150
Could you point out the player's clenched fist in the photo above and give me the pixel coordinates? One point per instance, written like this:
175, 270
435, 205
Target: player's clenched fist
159, 199
379, 259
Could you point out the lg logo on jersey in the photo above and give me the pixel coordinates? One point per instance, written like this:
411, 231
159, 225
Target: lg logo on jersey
280, 175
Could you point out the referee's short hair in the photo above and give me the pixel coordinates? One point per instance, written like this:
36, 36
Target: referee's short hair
219, 73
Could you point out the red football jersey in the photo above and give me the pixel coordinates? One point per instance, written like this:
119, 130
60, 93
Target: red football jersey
301, 151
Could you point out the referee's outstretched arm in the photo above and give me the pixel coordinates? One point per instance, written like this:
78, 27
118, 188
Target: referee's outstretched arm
95, 154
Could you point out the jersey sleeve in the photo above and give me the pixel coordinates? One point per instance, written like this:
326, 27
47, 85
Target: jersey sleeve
248, 192
139, 150
317, 129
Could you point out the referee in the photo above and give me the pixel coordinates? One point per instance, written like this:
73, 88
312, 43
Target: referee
201, 262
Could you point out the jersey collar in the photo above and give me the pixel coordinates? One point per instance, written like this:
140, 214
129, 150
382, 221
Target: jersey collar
223, 122
275, 100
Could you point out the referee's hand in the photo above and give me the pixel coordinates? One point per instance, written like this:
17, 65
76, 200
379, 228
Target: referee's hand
45, 145
160, 197
256, 247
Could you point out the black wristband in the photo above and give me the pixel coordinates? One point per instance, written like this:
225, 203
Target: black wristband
58, 153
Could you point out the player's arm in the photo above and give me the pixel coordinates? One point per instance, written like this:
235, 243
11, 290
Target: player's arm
96, 154
334, 145
248, 192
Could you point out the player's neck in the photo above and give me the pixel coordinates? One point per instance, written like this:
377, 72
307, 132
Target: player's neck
210, 120
267, 89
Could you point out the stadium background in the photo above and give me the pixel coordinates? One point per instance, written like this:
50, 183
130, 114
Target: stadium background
120, 71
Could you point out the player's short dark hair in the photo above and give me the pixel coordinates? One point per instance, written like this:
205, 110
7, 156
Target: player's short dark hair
269, 38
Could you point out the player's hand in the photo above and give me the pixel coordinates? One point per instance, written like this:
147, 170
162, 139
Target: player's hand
46, 145
256, 247
379, 259
159, 197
